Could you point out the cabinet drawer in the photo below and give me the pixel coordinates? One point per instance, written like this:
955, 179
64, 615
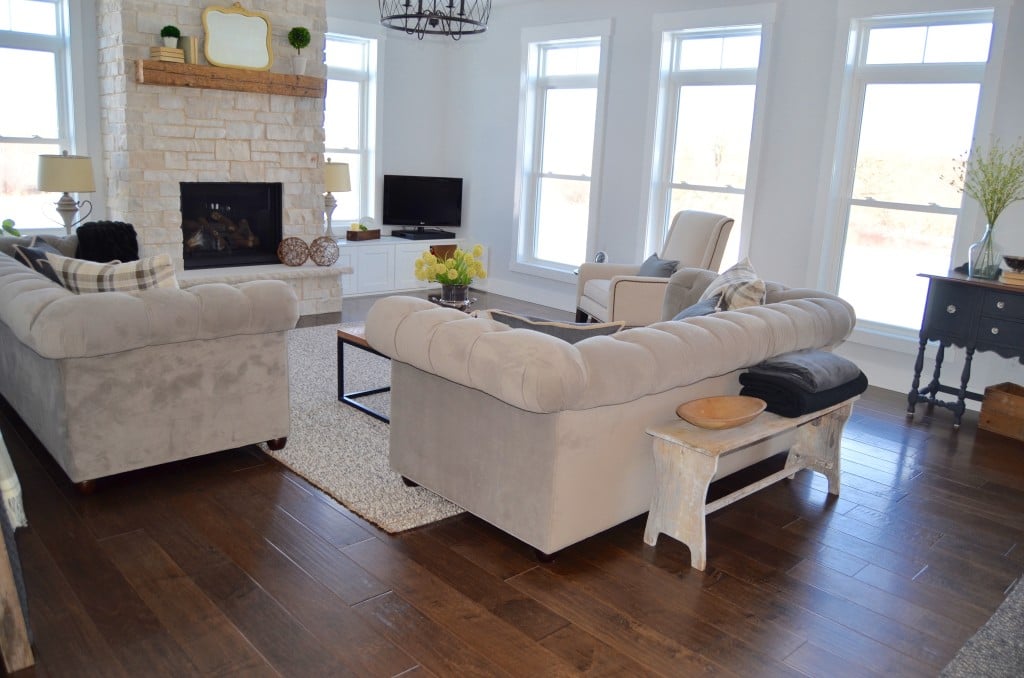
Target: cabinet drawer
950, 311
1003, 305
998, 332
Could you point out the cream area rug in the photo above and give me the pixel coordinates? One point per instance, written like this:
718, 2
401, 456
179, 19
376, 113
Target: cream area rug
341, 450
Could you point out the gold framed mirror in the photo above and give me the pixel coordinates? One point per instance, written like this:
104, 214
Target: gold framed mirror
237, 38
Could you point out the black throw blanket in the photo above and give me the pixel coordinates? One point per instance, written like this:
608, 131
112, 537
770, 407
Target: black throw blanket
787, 400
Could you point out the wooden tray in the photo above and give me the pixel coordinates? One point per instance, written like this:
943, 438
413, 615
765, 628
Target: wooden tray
372, 234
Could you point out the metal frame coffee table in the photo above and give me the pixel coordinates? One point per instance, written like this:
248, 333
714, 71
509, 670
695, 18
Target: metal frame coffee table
355, 335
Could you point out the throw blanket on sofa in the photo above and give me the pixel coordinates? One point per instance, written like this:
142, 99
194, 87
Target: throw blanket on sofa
813, 371
107, 240
787, 400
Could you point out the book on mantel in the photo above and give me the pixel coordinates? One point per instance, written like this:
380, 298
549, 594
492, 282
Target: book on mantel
167, 54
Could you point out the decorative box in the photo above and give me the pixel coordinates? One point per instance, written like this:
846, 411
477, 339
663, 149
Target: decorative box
372, 234
1002, 410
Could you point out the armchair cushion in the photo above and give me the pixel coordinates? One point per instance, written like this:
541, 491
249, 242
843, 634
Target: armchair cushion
738, 287
656, 267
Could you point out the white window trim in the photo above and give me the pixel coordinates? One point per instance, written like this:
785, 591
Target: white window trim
663, 25
370, 177
826, 237
527, 127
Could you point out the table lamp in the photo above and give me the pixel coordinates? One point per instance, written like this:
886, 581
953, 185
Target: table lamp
336, 179
67, 174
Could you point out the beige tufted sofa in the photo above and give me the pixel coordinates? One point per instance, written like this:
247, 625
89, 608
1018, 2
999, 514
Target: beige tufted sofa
546, 439
117, 381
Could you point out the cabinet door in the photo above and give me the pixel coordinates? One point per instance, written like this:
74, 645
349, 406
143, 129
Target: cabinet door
375, 269
405, 265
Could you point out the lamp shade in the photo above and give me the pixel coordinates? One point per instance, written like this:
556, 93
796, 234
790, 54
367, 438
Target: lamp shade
336, 179
66, 174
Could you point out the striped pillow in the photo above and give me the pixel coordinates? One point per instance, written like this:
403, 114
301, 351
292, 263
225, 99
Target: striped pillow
739, 286
81, 276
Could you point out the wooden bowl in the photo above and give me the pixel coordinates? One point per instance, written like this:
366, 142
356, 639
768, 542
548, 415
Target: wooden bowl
721, 411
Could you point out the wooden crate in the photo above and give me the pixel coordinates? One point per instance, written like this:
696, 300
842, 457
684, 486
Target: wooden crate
1002, 410
372, 234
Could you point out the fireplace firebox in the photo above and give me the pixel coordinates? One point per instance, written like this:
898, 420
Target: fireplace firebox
230, 223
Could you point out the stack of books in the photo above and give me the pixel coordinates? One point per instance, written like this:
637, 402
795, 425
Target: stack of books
1013, 278
167, 54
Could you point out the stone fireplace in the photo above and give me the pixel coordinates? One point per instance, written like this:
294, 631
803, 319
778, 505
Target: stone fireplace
157, 137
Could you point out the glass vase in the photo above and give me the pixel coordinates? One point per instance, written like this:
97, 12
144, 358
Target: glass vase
983, 257
455, 294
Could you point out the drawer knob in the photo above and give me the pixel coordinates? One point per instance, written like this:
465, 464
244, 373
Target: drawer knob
995, 330
1000, 305
951, 309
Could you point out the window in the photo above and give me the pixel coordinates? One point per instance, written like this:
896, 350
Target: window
350, 119
560, 131
707, 97
33, 59
911, 96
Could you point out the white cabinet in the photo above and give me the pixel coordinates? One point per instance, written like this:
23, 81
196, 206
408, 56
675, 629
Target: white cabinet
385, 265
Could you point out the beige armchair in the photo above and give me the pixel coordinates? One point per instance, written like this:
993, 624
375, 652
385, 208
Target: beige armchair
607, 292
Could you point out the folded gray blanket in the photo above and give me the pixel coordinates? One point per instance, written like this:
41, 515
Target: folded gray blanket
812, 371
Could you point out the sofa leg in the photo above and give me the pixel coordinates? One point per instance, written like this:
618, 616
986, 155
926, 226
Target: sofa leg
86, 487
581, 316
544, 557
409, 483
277, 443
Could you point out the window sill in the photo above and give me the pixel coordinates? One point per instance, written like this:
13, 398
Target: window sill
886, 337
548, 272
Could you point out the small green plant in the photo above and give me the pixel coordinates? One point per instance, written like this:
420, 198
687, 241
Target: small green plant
8, 226
170, 32
298, 38
994, 177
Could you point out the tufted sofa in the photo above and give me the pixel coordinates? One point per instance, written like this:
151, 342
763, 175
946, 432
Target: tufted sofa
546, 439
118, 381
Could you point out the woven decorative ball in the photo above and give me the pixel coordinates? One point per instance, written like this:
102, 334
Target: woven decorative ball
324, 251
293, 251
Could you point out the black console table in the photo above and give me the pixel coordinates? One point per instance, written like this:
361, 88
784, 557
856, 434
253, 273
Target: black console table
977, 315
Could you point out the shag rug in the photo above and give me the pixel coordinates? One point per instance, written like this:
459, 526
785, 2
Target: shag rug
997, 649
341, 450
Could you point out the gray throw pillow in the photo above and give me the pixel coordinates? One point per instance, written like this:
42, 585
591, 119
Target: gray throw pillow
706, 307
656, 267
34, 257
566, 331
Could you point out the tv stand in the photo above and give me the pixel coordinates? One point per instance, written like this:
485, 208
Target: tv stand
422, 233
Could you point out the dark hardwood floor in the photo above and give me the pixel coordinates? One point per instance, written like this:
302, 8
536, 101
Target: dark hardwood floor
231, 565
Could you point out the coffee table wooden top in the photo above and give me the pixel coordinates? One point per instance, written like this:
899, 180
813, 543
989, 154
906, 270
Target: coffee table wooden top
354, 334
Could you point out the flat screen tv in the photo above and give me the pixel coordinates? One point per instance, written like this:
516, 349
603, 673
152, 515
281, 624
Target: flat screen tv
425, 203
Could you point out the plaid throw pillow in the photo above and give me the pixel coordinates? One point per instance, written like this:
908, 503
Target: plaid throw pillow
739, 286
81, 276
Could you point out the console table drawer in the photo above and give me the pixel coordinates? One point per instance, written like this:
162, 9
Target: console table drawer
998, 332
951, 310
1003, 305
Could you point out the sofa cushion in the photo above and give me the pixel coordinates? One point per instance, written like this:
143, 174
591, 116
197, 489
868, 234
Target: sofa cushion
566, 331
33, 255
656, 267
739, 287
706, 307
598, 289
81, 276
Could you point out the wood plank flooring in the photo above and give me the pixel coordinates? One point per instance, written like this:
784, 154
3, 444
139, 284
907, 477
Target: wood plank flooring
231, 565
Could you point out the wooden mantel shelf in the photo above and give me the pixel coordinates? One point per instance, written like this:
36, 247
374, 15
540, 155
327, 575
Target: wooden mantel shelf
151, 72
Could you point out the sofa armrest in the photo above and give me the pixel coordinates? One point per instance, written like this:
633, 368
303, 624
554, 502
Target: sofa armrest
635, 299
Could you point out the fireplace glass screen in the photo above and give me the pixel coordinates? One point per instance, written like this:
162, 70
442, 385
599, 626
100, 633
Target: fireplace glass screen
230, 223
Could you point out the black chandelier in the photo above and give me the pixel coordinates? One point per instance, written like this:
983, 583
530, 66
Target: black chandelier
454, 18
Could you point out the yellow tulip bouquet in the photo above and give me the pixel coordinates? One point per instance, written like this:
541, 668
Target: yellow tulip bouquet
459, 269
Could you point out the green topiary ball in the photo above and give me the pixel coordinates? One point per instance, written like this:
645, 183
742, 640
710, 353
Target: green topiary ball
298, 38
